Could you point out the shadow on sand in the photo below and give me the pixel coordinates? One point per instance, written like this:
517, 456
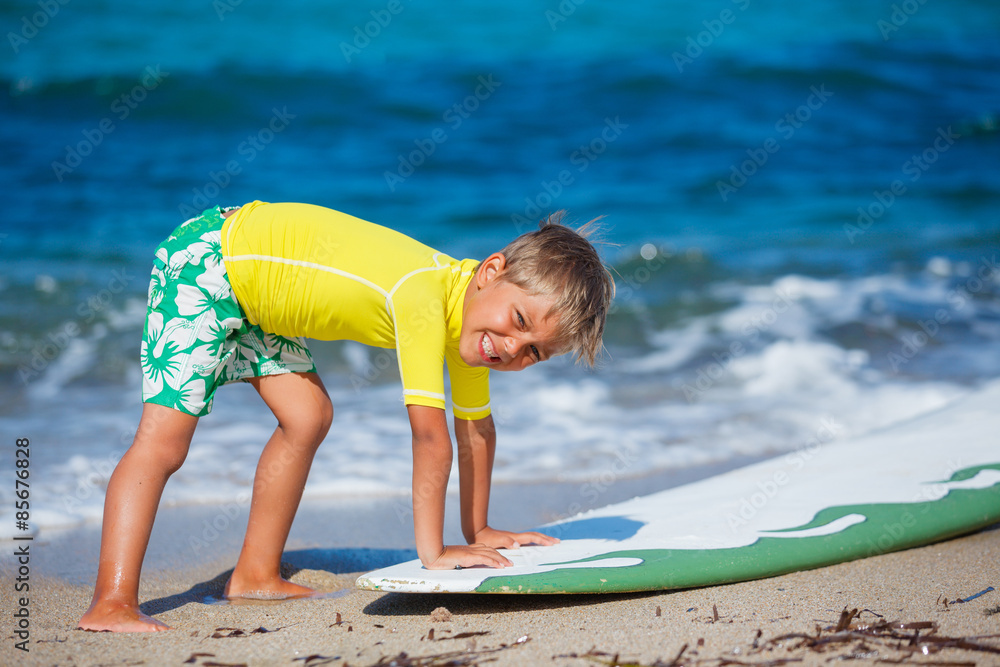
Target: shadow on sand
351, 561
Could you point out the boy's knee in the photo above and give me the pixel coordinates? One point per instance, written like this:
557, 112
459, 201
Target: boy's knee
311, 426
172, 456
324, 419
166, 458
163, 438
173, 460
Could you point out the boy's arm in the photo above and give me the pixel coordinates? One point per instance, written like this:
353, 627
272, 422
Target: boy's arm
477, 441
431, 467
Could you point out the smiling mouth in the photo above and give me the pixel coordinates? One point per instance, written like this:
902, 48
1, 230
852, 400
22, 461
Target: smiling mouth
487, 352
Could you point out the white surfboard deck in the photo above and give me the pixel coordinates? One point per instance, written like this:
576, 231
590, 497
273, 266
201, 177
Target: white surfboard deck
914, 483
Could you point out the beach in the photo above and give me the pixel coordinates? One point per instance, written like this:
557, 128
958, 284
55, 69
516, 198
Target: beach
799, 213
757, 622
798, 204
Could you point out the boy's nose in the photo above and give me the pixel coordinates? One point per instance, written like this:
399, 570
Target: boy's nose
512, 346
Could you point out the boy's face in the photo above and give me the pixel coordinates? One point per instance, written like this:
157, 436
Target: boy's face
504, 327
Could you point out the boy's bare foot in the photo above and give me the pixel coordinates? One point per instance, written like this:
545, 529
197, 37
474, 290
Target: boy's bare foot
264, 589
114, 616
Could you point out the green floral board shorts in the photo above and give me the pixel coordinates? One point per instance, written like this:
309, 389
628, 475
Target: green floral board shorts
196, 337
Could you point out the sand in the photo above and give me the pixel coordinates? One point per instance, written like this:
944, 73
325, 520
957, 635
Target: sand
333, 542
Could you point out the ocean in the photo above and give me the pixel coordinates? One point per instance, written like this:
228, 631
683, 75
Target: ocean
800, 207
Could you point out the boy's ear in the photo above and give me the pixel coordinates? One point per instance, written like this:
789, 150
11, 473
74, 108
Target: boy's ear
490, 268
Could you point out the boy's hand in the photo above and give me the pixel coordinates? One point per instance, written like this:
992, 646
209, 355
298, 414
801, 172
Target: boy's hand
474, 554
504, 539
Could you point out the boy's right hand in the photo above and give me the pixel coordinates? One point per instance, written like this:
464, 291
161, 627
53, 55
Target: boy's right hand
468, 556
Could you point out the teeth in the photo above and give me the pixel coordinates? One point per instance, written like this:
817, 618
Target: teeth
488, 347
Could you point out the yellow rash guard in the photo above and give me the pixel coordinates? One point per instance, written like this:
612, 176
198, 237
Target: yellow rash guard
303, 270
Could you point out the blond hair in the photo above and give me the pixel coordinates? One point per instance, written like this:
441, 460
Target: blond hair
561, 263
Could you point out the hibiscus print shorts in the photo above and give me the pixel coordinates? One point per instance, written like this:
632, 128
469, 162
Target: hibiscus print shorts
196, 337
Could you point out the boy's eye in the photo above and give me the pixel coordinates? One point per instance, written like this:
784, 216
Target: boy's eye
534, 351
520, 320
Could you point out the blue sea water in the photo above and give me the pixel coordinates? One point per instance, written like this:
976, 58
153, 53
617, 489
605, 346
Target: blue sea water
800, 201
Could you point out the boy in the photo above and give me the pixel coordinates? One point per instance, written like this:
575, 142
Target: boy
231, 297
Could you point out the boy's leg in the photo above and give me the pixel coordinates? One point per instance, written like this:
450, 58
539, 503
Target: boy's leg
304, 412
158, 449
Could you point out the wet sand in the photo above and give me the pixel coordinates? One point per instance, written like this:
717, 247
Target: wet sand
797, 617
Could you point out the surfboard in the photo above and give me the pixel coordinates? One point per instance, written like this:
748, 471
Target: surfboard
931, 478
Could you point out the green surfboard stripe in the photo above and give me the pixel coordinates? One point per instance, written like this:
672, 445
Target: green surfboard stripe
969, 473
888, 527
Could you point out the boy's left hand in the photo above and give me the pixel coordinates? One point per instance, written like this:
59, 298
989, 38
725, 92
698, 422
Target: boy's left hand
504, 539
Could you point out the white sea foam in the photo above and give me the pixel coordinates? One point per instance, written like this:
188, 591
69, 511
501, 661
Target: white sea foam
687, 399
